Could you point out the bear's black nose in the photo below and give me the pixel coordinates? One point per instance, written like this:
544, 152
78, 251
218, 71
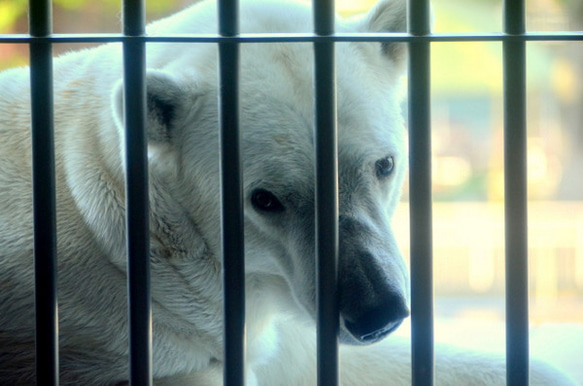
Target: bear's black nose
377, 322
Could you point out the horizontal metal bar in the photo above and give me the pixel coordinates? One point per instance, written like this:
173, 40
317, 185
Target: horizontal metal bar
298, 37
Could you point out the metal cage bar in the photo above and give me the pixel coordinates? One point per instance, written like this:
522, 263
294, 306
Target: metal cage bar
302, 37
9, 38
420, 196
137, 196
232, 220
326, 195
515, 196
44, 195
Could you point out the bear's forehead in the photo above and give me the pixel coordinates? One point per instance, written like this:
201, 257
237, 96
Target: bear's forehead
366, 94
275, 130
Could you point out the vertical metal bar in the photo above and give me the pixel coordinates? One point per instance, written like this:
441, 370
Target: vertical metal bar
232, 200
137, 196
326, 174
515, 193
420, 196
44, 201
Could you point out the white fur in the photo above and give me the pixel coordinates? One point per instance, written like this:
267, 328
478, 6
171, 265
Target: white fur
277, 139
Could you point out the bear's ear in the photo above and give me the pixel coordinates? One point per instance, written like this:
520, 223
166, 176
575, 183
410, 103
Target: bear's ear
388, 16
164, 99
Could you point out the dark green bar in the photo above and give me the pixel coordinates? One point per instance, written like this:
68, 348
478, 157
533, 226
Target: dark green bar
324, 17
516, 222
44, 201
420, 201
514, 17
326, 214
515, 196
137, 196
419, 17
420, 196
232, 220
44, 215
326, 174
134, 17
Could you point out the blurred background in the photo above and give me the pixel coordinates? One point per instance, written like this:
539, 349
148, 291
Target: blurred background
467, 117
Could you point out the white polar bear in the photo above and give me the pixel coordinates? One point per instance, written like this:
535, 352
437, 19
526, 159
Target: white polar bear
277, 137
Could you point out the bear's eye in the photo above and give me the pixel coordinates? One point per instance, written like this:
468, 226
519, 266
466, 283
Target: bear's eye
266, 201
384, 167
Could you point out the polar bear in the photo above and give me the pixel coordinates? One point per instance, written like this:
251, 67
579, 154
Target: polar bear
277, 139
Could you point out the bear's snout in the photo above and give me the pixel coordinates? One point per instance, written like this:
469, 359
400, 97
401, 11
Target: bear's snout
371, 306
371, 287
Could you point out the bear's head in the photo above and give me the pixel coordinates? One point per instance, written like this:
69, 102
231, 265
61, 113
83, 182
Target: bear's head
277, 139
